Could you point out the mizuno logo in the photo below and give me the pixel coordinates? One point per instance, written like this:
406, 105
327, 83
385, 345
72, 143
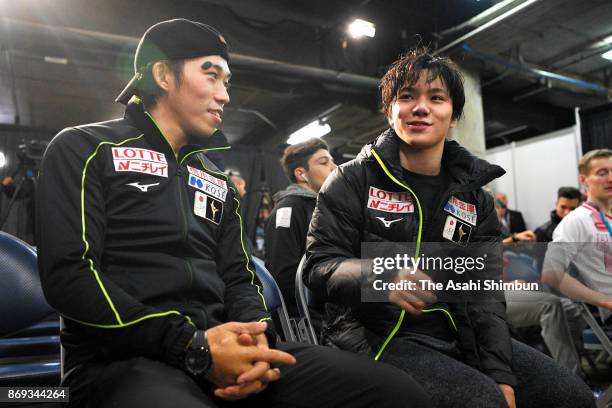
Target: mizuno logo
387, 223
142, 187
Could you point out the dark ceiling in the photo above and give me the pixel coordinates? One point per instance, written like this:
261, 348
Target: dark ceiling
64, 61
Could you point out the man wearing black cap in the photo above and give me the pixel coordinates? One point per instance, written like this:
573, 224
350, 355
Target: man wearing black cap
142, 252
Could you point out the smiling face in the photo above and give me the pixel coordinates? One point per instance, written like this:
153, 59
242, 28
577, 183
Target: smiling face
421, 114
197, 100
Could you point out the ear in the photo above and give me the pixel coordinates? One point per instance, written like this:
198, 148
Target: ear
453, 123
583, 180
389, 118
162, 75
298, 173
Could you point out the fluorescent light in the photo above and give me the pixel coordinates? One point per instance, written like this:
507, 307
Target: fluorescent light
56, 60
2, 159
607, 55
360, 28
313, 129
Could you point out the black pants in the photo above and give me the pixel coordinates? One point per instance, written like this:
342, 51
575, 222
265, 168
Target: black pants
322, 377
437, 366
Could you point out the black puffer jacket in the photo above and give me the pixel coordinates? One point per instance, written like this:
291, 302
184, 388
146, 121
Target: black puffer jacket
342, 221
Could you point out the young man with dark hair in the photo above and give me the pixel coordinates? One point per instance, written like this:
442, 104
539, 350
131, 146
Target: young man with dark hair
307, 165
411, 184
568, 198
584, 238
141, 250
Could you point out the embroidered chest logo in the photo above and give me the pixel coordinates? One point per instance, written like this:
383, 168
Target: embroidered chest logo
213, 186
387, 223
140, 161
390, 201
142, 187
456, 230
207, 207
462, 210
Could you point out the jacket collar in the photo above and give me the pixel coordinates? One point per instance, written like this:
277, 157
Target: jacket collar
294, 190
463, 167
138, 114
554, 217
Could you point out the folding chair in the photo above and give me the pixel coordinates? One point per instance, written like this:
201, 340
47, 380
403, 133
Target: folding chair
274, 298
29, 350
304, 298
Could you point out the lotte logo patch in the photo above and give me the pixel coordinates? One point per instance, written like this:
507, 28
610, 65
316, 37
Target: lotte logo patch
390, 201
140, 161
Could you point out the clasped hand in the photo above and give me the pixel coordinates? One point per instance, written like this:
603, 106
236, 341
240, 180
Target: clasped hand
241, 359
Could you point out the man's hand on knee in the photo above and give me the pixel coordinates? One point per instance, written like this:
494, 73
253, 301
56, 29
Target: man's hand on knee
239, 348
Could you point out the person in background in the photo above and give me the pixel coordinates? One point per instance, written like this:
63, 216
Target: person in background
239, 182
583, 238
307, 165
568, 198
509, 237
512, 220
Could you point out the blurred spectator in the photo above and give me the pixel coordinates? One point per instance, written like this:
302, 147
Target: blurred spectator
7, 186
307, 165
239, 183
508, 236
568, 198
511, 220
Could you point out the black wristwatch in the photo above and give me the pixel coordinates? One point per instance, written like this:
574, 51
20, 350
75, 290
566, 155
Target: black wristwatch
514, 237
197, 358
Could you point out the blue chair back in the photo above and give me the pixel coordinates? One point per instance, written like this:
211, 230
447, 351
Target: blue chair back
22, 302
521, 267
304, 298
29, 348
274, 298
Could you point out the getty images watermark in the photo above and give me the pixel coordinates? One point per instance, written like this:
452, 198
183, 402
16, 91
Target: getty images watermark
453, 273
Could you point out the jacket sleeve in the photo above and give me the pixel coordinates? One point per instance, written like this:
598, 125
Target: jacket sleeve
70, 233
488, 314
244, 299
333, 269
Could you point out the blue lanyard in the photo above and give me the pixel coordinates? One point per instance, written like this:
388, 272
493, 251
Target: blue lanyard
605, 220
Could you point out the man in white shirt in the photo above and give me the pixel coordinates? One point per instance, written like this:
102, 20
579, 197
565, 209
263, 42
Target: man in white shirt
584, 238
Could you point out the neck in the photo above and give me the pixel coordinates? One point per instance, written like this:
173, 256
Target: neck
422, 161
305, 185
172, 132
602, 204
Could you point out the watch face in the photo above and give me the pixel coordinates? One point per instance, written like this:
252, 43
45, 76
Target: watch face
197, 361
197, 358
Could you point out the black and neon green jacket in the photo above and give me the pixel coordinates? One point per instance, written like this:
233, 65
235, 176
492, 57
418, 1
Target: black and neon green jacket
136, 246
344, 218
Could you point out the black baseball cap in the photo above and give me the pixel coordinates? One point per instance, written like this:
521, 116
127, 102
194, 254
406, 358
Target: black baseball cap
172, 40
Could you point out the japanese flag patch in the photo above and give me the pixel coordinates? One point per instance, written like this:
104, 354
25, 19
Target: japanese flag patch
456, 230
207, 207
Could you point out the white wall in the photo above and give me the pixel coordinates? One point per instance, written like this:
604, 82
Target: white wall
535, 169
469, 131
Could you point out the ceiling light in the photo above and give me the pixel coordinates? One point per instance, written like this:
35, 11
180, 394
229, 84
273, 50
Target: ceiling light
360, 28
2, 159
607, 55
56, 60
313, 129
